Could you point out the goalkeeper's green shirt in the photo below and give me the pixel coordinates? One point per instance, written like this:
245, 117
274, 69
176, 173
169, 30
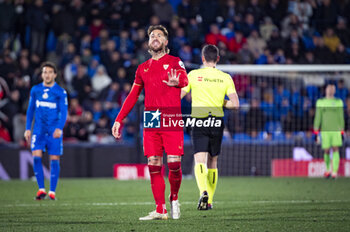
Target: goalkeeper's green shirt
329, 115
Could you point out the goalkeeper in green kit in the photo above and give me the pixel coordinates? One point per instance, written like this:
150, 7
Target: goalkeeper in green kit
329, 119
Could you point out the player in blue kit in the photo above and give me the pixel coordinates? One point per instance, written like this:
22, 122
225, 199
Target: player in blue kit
48, 104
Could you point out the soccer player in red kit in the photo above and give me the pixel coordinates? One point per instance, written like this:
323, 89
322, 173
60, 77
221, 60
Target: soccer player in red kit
162, 78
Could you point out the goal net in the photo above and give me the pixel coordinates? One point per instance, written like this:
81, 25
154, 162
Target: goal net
272, 132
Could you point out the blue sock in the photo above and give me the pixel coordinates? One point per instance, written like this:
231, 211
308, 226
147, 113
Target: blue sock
38, 171
55, 172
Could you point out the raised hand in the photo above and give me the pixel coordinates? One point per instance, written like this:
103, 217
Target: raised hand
173, 79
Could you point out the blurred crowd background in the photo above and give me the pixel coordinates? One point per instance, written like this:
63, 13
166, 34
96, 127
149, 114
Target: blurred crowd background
98, 44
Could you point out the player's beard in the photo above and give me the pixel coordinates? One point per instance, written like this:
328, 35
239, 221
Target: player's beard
160, 49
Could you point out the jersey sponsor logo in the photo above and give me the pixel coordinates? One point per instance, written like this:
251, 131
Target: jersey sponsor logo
200, 78
213, 80
45, 95
51, 105
45, 90
181, 64
151, 119
165, 66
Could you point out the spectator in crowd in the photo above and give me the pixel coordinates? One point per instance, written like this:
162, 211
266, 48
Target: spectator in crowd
194, 33
343, 32
322, 51
249, 25
289, 24
37, 19
11, 108
102, 133
256, 44
8, 20
164, 11
112, 34
95, 28
19, 127
106, 52
111, 94
325, 14
245, 55
309, 58
276, 42
214, 36
275, 10
302, 10
342, 91
185, 11
100, 80
266, 28
255, 10
70, 71
235, 44
209, 11
124, 43
331, 40
4, 134
255, 118
141, 11
74, 107
230, 10
341, 55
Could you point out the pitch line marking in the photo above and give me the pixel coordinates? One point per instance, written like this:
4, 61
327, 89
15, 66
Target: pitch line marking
183, 203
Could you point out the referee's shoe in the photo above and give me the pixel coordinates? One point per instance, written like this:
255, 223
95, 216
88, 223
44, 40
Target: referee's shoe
203, 201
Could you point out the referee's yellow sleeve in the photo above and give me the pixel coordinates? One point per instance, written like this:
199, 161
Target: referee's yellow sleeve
188, 87
230, 87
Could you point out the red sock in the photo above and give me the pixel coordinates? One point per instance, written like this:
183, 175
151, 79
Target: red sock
175, 177
158, 187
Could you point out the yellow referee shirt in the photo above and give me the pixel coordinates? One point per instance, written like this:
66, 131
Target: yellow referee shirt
208, 87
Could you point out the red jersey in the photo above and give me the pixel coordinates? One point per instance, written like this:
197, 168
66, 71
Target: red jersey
150, 76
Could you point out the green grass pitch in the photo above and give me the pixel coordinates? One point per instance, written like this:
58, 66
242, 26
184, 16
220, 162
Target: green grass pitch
240, 204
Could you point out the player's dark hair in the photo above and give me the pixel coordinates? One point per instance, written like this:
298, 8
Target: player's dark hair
162, 29
158, 27
210, 53
50, 65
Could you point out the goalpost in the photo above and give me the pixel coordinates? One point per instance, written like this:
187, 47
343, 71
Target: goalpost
272, 132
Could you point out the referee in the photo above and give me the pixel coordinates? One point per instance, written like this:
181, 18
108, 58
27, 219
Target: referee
208, 87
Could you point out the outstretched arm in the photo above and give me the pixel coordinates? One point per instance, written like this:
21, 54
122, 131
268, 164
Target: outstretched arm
128, 104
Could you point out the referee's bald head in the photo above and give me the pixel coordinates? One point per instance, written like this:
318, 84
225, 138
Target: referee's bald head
210, 53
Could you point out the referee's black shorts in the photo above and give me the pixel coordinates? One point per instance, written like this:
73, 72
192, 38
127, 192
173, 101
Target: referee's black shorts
208, 139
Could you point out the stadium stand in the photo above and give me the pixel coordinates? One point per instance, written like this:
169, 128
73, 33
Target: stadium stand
98, 45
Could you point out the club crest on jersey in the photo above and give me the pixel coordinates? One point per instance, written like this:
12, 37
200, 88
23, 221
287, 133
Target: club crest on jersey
181, 64
45, 95
145, 70
165, 66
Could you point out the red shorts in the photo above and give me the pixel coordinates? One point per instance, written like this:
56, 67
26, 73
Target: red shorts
156, 142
